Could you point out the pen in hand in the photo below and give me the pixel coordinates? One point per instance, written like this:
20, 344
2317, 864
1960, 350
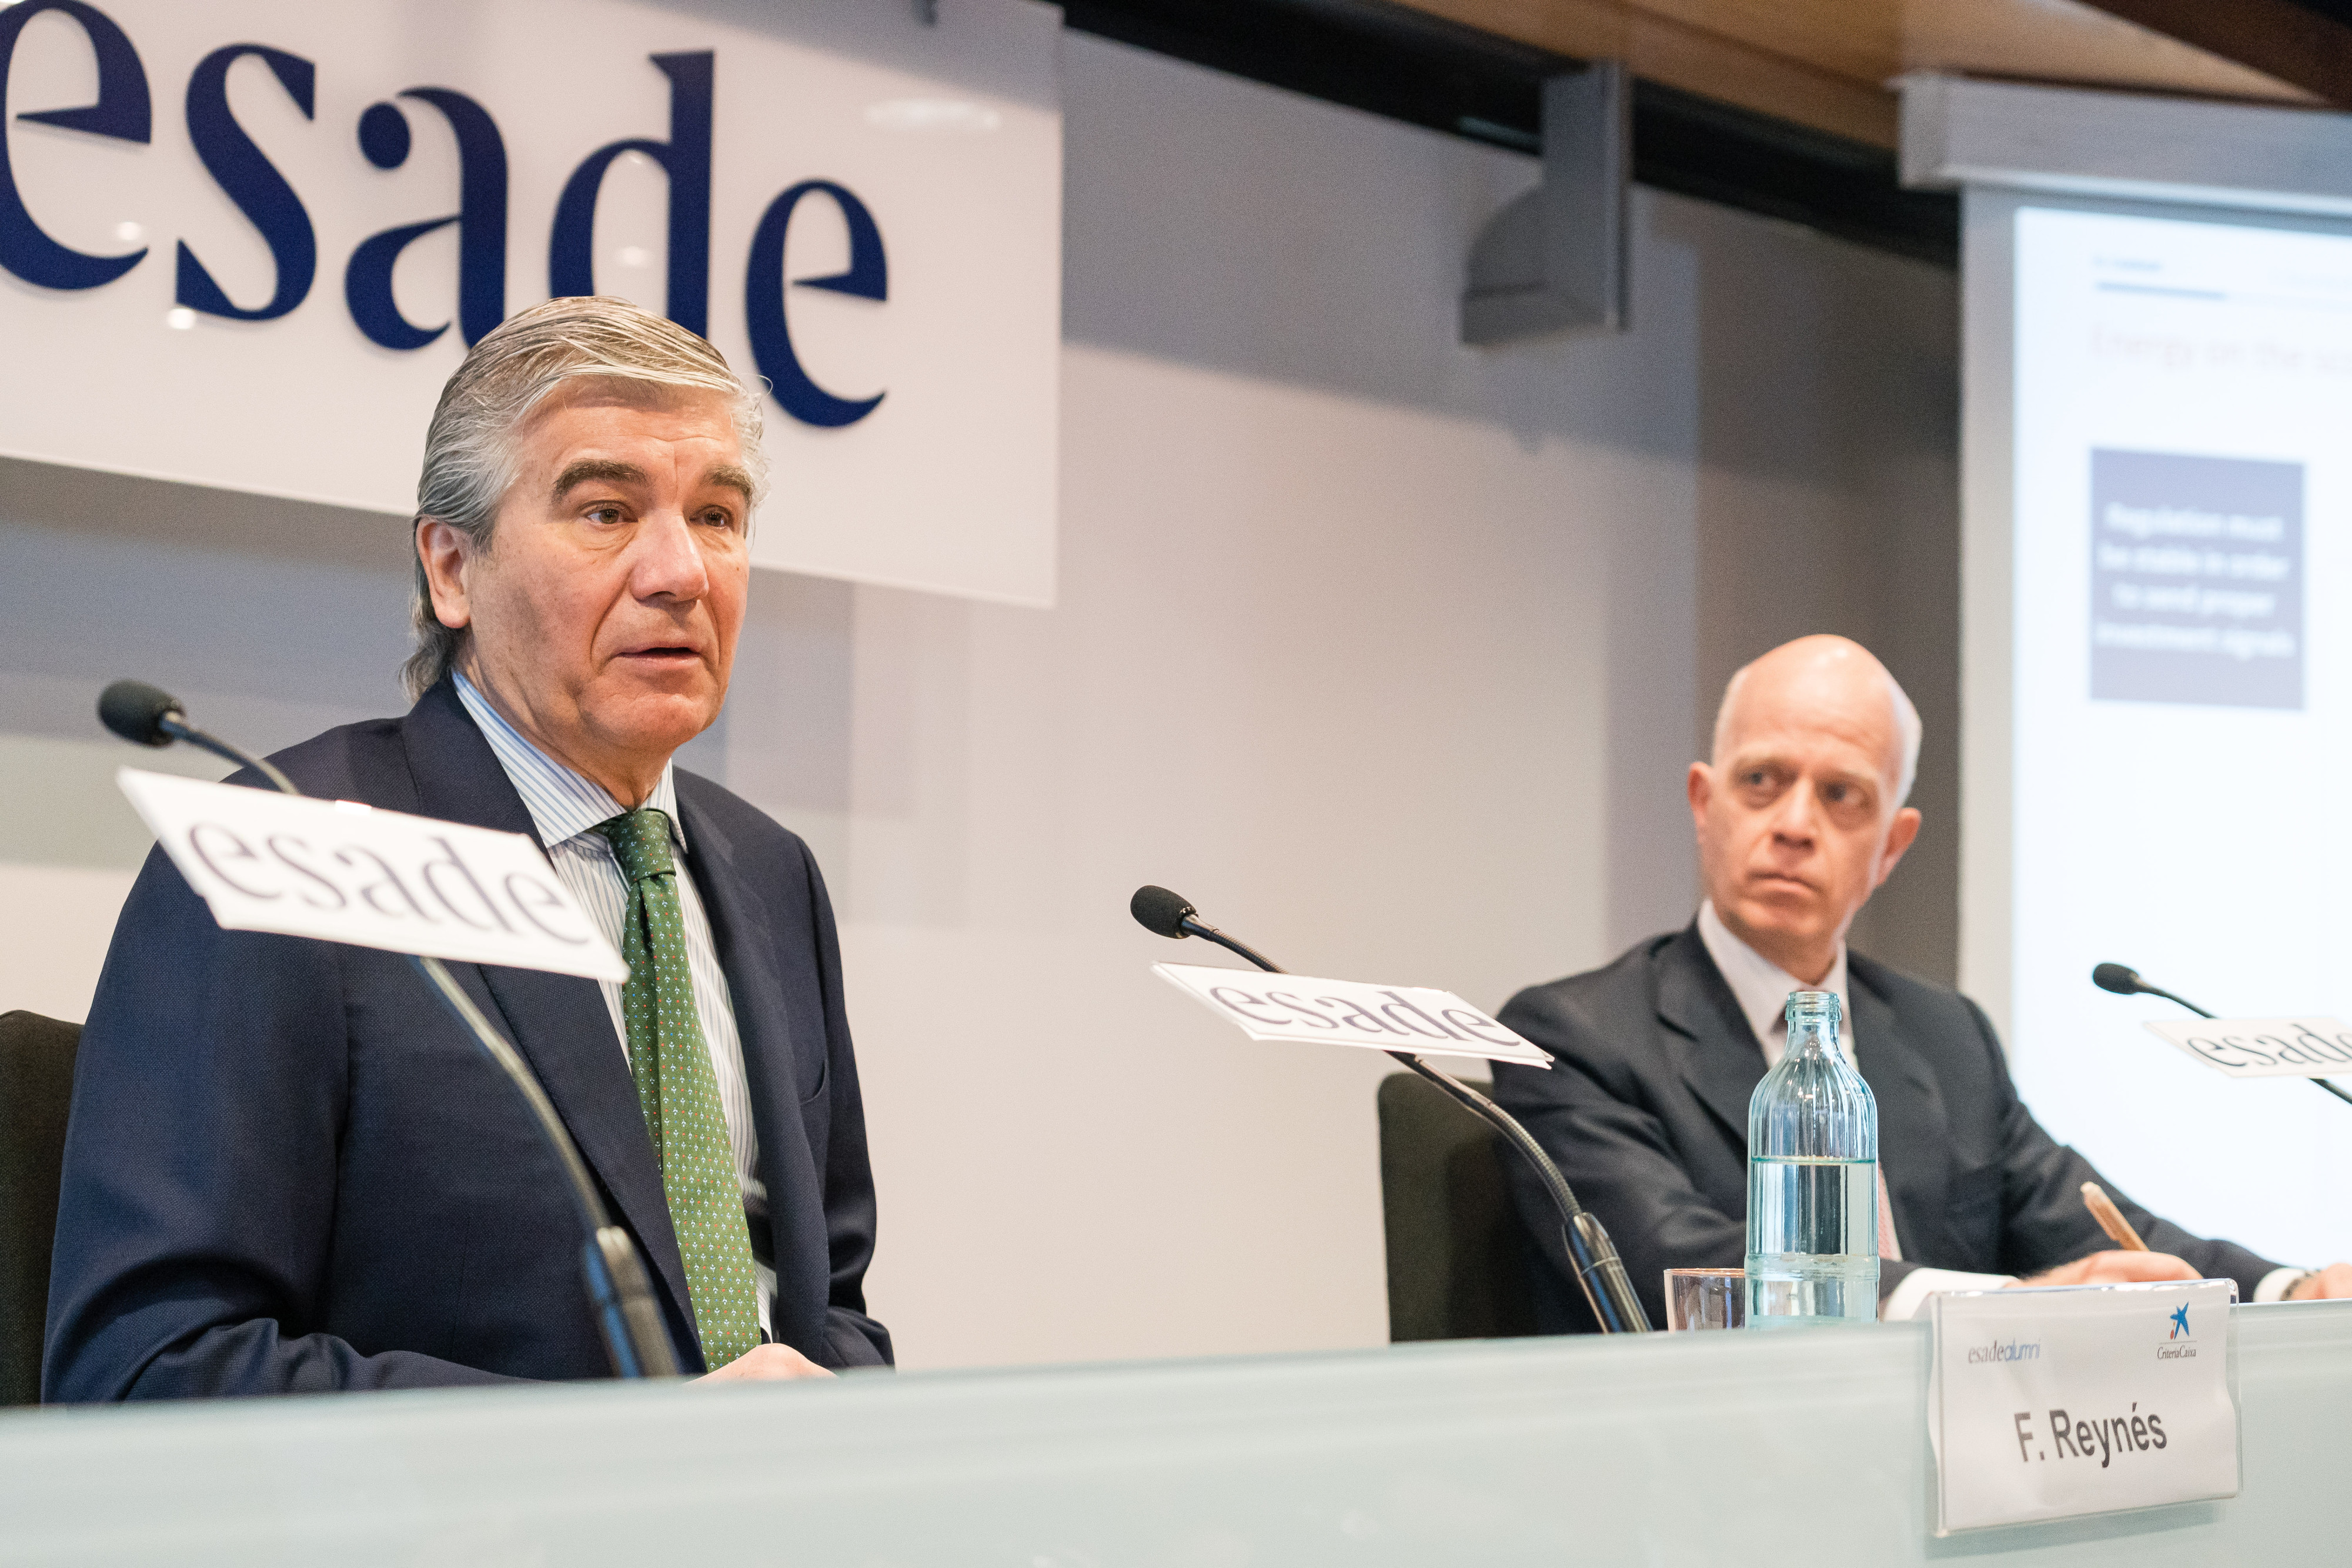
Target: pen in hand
2111, 1219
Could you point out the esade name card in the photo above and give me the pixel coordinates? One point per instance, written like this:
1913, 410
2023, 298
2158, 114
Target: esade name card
2264, 1048
343, 872
1349, 1012
2047, 1404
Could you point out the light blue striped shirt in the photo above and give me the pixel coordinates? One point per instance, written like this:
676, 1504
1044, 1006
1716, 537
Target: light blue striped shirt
565, 807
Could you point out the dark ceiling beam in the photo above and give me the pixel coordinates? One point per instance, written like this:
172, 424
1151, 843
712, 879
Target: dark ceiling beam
2302, 42
1406, 64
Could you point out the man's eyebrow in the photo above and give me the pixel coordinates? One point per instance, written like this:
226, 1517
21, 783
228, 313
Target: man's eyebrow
588, 470
733, 478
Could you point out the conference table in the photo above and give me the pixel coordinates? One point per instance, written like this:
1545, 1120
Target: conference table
1722, 1448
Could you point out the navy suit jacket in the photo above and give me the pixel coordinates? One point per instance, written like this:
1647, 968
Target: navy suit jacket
1646, 1109
288, 1170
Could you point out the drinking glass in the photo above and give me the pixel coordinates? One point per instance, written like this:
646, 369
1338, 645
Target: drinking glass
1706, 1299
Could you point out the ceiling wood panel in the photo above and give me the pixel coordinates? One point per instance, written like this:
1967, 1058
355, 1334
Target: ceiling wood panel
1827, 62
2275, 36
1696, 60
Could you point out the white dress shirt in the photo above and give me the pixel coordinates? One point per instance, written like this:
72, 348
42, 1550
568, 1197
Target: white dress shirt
1761, 987
565, 808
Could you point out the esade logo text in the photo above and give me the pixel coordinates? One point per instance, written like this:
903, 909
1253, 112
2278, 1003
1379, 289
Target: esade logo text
124, 110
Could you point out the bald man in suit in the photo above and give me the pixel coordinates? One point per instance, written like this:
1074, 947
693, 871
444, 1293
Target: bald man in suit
1800, 816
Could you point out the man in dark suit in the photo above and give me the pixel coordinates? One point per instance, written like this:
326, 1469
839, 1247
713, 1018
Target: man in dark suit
1799, 818
287, 1171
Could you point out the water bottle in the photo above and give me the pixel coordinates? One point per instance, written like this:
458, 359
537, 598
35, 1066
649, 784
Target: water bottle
1813, 1180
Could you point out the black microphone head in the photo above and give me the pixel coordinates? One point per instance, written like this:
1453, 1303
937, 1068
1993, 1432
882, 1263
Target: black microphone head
1158, 911
2120, 978
135, 711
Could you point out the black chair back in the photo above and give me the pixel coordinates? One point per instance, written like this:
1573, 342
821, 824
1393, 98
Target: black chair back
1458, 1261
36, 1067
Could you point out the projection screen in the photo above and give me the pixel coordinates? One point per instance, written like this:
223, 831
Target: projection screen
2158, 682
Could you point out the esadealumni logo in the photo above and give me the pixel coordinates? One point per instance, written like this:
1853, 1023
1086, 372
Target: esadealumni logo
1998, 1351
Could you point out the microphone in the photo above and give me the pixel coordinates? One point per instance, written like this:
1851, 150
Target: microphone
137, 711
1166, 913
2125, 981
2120, 978
1160, 911
1599, 1269
618, 1289
149, 716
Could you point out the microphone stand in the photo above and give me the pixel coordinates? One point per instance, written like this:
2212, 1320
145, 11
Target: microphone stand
626, 1314
1599, 1269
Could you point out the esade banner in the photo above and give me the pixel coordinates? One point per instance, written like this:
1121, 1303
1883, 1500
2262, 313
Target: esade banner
244, 243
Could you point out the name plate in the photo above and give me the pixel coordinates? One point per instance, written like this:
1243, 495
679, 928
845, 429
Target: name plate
2050, 1403
1350, 1012
2264, 1048
343, 872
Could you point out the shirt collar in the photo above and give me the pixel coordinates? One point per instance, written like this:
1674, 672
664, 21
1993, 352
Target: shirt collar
563, 804
1762, 987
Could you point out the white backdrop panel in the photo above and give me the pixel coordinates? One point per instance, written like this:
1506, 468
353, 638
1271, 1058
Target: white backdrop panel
948, 138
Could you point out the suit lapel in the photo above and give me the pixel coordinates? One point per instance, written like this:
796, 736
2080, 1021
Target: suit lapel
1723, 1063
747, 952
1911, 1124
1721, 1060
560, 1022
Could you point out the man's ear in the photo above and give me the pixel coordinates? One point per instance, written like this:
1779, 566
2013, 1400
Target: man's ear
1699, 786
442, 549
1900, 836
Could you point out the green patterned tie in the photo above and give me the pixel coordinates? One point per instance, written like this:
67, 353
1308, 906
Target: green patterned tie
678, 1093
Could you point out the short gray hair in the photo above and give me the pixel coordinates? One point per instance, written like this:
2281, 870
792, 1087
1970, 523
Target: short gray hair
468, 447
1907, 728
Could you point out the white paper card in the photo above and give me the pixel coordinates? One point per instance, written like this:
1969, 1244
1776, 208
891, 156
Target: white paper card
2264, 1048
343, 871
1349, 1012
2046, 1403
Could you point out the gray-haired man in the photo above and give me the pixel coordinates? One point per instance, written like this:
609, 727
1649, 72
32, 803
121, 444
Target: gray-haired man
286, 1172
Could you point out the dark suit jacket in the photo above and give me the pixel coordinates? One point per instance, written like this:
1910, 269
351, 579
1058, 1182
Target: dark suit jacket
288, 1170
1646, 1114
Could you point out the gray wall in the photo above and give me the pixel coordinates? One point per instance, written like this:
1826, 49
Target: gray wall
1829, 501
1389, 653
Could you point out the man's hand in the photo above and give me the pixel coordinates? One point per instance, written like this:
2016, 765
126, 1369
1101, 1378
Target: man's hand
2330, 1283
766, 1363
2124, 1269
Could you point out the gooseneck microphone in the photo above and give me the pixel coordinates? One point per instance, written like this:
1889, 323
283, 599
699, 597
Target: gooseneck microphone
149, 716
2125, 981
617, 1287
1166, 913
1599, 1270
